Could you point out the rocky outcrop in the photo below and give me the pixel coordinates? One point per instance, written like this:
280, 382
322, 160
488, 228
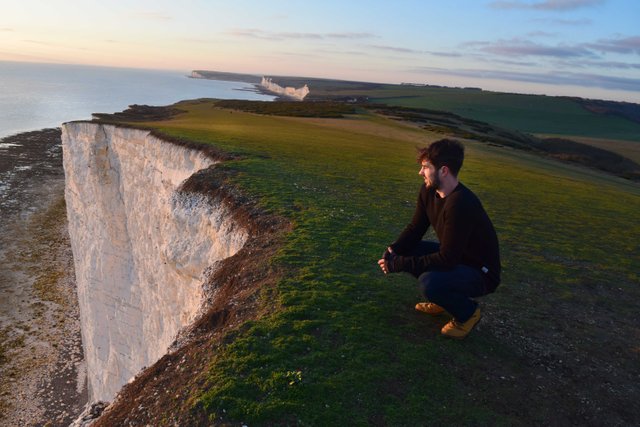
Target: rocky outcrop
142, 246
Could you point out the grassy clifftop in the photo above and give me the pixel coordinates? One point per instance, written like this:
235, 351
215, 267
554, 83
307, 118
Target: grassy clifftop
341, 344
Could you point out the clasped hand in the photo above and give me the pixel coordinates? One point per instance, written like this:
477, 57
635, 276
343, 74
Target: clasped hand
384, 261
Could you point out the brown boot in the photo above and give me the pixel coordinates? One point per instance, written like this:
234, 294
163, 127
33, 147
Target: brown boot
458, 330
429, 308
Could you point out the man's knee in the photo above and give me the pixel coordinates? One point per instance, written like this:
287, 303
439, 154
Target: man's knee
432, 284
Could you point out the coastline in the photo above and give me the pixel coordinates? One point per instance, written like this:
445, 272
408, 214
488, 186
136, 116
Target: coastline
41, 358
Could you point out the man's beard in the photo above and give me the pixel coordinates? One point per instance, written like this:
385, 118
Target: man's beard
434, 183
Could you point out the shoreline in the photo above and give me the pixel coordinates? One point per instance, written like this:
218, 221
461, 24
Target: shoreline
41, 358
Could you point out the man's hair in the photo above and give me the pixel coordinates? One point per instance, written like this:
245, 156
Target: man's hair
444, 152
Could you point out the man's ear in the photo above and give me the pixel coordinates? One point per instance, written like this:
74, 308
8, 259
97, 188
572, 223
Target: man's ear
445, 170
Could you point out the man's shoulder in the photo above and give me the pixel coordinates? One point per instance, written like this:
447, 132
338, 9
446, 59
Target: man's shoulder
463, 196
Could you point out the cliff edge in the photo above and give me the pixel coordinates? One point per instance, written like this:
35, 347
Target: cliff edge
143, 247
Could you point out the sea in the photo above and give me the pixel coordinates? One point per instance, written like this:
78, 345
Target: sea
35, 96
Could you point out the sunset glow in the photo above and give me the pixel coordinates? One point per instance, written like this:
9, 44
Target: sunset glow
588, 48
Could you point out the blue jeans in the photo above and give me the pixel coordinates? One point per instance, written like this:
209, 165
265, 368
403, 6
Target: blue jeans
452, 289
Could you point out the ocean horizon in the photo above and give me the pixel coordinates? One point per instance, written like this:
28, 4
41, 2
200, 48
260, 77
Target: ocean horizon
34, 96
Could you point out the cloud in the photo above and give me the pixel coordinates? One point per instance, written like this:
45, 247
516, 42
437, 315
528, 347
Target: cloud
553, 78
350, 35
341, 52
445, 54
270, 35
508, 62
547, 5
600, 64
299, 54
3, 30
625, 45
393, 48
613, 64
541, 34
520, 47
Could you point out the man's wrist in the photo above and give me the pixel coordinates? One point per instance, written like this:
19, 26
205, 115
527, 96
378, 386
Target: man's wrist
392, 262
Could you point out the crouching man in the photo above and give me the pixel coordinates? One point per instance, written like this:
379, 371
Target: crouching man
465, 264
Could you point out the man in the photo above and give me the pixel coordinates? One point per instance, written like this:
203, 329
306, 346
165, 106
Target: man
466, 262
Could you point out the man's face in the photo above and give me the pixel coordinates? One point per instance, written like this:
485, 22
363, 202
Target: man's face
430, 175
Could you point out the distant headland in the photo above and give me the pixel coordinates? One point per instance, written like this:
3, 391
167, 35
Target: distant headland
264, 84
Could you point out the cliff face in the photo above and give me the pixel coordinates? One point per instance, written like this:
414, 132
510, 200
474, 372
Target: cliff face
291, 92
142, 247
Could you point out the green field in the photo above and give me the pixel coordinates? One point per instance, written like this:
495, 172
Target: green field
525, 113
342, 344
536, 114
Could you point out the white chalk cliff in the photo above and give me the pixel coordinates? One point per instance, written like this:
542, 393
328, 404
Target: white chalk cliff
141, 246
290, 92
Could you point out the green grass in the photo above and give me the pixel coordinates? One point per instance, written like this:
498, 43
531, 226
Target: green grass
345, 346
526, 113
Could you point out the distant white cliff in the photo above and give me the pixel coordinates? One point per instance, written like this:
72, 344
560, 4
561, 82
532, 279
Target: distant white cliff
141, 246
288, 91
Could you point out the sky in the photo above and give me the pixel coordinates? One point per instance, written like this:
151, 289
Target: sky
586, 48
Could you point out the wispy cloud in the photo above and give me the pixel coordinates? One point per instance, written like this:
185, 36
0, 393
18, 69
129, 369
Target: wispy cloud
548, 5
299, 54
445, 54
611, 65
393, 48
272, 35
520, 47
6, 30
509, 62
554, 78
622, 45
351, 36
342, 52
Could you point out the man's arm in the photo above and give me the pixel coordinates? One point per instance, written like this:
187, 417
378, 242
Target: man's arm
413, 232
458, 225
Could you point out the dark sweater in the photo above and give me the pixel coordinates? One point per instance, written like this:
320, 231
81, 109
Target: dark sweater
464, 230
